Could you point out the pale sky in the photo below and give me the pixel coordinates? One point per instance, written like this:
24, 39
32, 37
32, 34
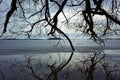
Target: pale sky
4, 7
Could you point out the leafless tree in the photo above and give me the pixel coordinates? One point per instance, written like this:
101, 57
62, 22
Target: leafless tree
111, 69
28, 67
29, 14
89, 65
46, 13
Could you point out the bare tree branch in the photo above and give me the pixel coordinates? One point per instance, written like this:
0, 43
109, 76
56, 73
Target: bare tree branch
9, 14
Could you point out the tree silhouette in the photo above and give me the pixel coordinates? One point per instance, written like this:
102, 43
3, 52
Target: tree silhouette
33, 14
48, 11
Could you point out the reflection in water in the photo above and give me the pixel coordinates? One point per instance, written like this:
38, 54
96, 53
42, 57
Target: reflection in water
20, 58
14, 65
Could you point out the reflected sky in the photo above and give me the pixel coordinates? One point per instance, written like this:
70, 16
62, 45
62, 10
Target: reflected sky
51, 51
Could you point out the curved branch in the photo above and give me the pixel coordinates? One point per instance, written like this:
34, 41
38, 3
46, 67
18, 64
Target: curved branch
110, 17
35, 24
59, 68
66, 38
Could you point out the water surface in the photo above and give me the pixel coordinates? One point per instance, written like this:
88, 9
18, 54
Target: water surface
44, 52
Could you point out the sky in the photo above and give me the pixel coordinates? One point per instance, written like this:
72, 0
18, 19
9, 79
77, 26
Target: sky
16, 24
4, 8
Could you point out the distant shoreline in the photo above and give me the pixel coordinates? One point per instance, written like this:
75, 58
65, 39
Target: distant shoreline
61, 39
